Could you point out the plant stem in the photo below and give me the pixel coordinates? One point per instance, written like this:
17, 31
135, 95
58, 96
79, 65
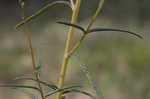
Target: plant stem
72, 3
77, 45
68, 46
37, 76
93, 19
79, 42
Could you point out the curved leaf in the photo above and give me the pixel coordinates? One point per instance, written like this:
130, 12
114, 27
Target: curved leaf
52, 86
60, 90
39, 12
118, 30
73, 25
20, 86
79, 91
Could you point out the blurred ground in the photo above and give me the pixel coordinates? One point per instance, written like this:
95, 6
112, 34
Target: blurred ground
119, 63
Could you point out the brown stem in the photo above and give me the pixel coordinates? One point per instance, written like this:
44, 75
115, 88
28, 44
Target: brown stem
37, 76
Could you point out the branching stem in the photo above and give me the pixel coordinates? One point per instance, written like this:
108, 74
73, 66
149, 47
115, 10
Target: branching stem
68, 47
79, 42
68, 52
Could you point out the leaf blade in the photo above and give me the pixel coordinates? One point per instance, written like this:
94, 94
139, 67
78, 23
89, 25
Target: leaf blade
118, 30
60, 90
72, 25
39, 12
81, 92
52, 86
20, 86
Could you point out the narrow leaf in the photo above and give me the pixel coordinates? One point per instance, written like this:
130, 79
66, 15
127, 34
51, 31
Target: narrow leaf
79, 91
52, 86
118, 30
39, 12
73, 25
60, 90
20, 86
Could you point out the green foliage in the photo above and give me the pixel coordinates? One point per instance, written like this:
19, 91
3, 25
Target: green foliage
79, 91
39, 12
99, 29
20, 86
61, 90
52, 86
73, 25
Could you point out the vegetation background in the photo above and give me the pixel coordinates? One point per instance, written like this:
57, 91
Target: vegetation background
119, 63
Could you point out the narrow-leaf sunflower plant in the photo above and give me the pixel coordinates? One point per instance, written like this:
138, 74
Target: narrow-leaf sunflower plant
60, 90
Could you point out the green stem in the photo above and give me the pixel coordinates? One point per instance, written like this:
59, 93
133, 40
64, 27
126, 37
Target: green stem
68, 46
79, 42
93, 19
77, 45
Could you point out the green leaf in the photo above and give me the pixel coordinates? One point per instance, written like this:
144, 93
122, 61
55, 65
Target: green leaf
39, 12
79, 91
73, 25
60, 90
118, 30
52, 86
20, 86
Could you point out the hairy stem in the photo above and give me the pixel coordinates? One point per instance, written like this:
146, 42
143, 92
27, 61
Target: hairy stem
68, 46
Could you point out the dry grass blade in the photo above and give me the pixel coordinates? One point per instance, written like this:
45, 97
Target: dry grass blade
118, 30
